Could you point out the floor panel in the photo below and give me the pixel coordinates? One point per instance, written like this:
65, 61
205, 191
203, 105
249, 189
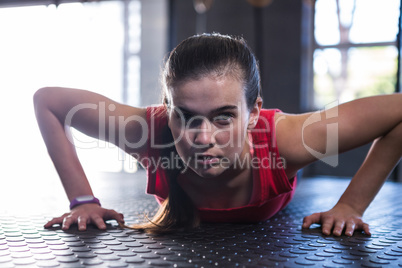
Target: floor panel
278, 242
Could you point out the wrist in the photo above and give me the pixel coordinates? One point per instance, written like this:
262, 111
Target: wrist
84, 199
351, 205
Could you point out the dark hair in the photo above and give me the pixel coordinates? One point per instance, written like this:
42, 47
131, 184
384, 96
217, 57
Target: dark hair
212, 54
194, 58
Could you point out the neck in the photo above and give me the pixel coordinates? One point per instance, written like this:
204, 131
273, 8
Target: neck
232, 188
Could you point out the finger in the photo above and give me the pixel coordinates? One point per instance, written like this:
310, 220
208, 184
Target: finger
111, 214
350, 228
98, 221
363, 226
82, 223
309, 220
53, 221
327, 225
366, 228
121, 218
67, 221
338, 228
56, 220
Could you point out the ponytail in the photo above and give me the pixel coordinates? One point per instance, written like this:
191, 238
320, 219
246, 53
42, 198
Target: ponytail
176, 213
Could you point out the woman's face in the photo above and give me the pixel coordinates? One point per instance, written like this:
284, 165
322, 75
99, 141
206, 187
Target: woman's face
209, 119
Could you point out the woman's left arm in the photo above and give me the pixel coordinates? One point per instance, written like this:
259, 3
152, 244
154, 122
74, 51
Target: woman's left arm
377, 119
347, 214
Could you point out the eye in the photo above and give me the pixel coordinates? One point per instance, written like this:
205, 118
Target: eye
224, 118
183, 116
189, 120
187, 117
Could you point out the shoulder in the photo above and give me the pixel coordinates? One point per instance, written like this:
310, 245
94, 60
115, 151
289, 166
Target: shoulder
159, 133
158, 110
269, 144
140, 125
267, 118
289, 138
264, 130
157, 118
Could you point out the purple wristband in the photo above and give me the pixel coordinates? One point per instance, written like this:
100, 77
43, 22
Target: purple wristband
85, 199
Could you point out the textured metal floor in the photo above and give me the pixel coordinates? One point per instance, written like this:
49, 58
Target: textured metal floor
279, 242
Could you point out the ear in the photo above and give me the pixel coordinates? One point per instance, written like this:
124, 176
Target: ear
255, 113
169, 116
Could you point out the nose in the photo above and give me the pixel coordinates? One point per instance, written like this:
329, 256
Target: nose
204, 136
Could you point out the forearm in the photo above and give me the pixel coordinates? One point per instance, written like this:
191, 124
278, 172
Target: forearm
62, 153
384, 154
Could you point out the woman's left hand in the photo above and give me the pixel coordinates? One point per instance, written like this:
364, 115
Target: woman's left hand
341, 217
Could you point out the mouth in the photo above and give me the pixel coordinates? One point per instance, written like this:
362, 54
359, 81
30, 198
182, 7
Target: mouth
207, 159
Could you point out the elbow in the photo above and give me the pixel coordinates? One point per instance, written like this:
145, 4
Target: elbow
396, 136
42, 96
42, 99
39, 96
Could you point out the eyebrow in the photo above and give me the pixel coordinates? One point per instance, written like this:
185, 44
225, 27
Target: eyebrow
217, 110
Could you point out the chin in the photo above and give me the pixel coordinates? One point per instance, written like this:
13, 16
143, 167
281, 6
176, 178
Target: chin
209, 173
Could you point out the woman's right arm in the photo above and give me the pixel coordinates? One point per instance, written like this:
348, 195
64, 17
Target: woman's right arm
58, 109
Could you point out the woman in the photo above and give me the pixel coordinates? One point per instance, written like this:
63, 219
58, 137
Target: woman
211, 152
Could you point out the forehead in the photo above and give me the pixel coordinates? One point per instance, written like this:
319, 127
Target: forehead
208, 93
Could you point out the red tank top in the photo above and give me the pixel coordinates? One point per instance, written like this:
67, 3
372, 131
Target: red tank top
272, 190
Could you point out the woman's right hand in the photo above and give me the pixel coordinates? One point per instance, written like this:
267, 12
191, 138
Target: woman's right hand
86, 214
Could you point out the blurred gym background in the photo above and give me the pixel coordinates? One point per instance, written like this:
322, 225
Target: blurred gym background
312, 54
